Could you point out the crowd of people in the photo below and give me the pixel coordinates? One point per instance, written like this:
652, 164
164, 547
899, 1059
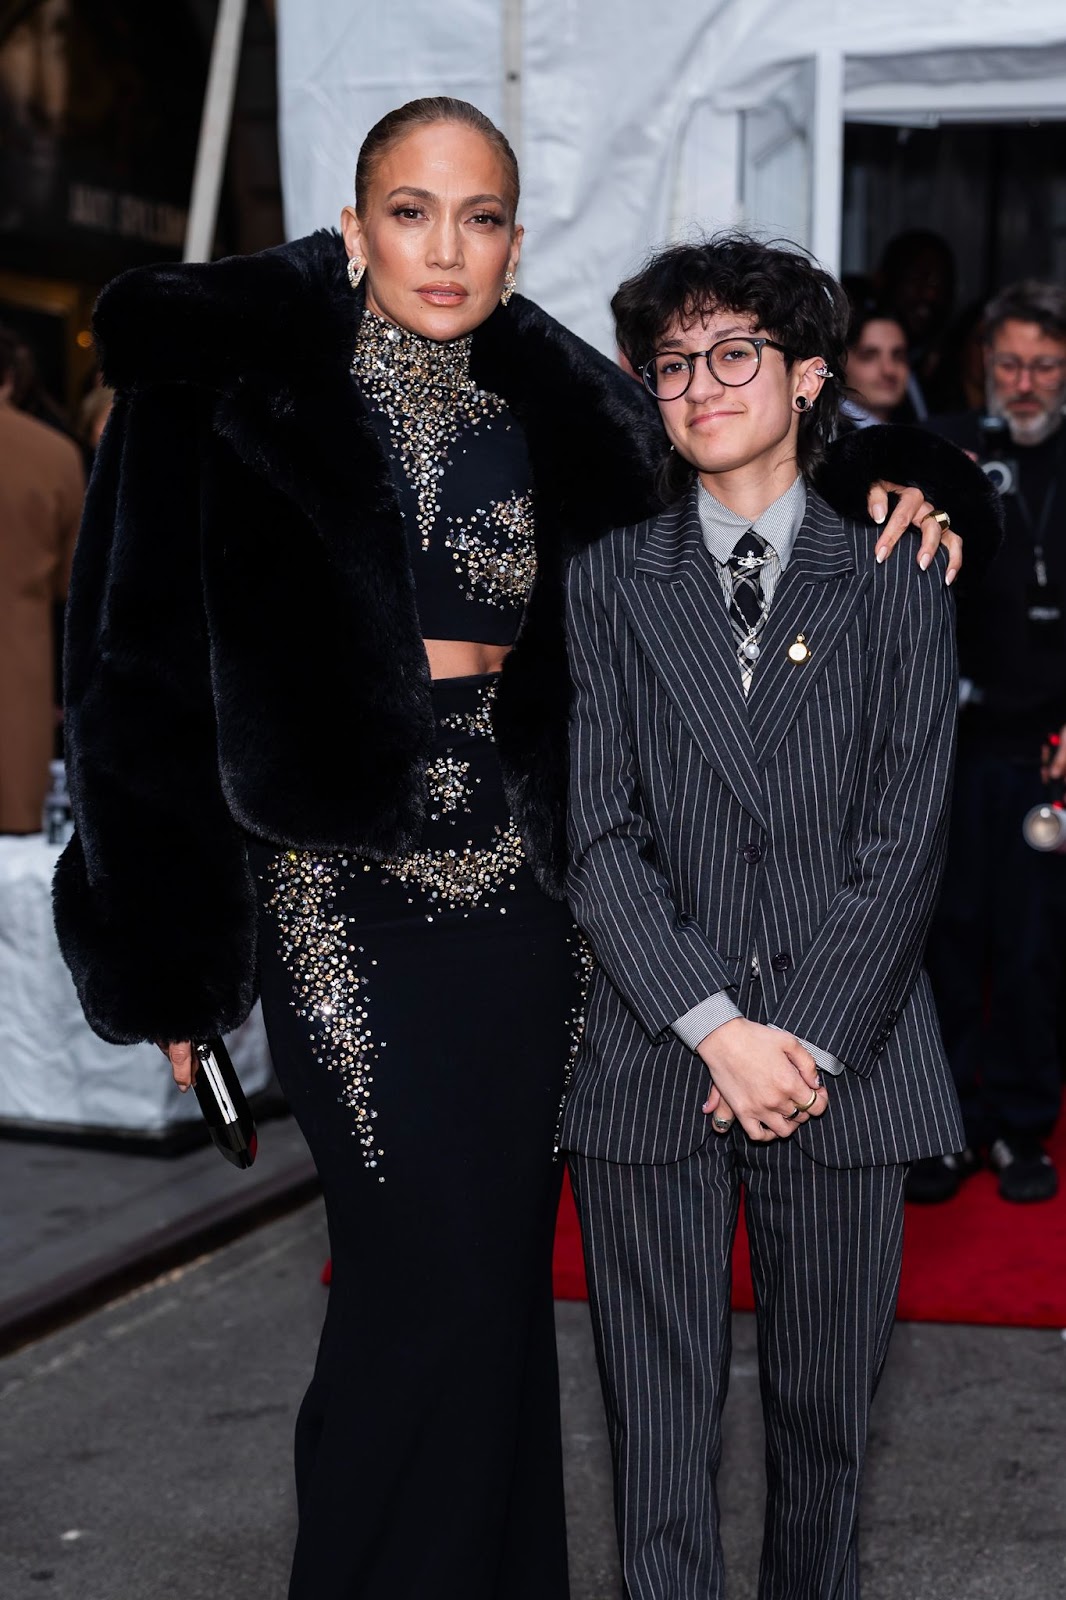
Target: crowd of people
731, 764
993, 380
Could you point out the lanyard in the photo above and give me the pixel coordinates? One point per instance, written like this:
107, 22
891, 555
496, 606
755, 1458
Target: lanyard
1036, 534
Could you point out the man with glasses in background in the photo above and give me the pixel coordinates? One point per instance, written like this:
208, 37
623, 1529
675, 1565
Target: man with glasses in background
994, 956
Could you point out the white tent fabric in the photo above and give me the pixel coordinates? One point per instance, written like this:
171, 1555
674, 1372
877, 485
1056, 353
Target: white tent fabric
54, 1073
639, 122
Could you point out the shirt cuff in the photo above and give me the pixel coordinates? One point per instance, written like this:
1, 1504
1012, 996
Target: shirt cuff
825, 1062
696, 1024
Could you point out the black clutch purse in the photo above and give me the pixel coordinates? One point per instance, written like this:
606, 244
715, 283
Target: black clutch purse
225, 1109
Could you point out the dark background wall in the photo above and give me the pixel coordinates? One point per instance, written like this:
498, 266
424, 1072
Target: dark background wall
100, 104
995, 191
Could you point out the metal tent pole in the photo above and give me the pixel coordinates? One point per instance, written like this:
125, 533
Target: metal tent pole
214, 129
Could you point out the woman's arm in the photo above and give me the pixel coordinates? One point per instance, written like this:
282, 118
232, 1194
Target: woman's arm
154, 903
928, 473
868, 949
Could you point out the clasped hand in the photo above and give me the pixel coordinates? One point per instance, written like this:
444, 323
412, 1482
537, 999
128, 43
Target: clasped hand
760, 1076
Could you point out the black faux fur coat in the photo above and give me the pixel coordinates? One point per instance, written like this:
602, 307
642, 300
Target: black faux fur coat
243, 651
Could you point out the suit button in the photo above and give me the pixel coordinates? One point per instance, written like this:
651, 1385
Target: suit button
782, 962
752, 853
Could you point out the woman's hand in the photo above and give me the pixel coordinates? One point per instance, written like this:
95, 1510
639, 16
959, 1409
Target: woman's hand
913, 510
764, 1076
183, 1064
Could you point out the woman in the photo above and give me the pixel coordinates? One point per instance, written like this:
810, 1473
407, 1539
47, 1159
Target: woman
876, 369
318, 701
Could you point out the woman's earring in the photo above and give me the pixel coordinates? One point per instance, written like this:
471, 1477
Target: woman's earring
510, 284
356, 271
802, 403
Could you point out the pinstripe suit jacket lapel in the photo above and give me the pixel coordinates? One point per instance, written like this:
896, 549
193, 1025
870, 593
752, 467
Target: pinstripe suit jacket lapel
674, 603
817, 596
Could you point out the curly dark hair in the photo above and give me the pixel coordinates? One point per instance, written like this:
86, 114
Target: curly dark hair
790, 297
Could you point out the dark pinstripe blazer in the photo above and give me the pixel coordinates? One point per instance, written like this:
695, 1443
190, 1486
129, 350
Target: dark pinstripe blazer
805, 827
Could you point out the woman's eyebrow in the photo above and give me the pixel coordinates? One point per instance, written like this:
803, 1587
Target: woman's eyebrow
427, 194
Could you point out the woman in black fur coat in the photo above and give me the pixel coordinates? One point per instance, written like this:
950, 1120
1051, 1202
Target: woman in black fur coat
317, 703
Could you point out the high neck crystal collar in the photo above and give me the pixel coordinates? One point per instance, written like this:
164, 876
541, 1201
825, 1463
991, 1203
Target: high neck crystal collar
390, 357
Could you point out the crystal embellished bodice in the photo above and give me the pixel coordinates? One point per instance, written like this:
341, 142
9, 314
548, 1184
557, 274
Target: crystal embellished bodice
461, 470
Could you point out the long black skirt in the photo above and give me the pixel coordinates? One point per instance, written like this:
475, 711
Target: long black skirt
422, 1015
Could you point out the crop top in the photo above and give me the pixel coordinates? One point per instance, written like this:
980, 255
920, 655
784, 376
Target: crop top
461, 472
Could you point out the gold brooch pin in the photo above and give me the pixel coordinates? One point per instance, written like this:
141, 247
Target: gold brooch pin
798, 651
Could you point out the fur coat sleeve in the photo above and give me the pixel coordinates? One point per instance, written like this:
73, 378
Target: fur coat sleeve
154, 902
915, 458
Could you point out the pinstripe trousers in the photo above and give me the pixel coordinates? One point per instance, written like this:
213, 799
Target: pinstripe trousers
826, 1249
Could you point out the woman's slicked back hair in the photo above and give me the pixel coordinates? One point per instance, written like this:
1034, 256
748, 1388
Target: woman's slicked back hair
397, 124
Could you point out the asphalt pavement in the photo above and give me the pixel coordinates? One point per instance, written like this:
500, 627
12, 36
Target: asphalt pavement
145, 1448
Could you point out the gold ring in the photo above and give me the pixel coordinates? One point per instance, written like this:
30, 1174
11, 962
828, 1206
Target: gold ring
942, 520
797, 1111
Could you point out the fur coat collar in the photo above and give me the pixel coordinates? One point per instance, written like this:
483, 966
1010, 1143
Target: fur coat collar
264, 344
272, 336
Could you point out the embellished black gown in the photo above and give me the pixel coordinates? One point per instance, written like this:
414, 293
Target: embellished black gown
422, 1015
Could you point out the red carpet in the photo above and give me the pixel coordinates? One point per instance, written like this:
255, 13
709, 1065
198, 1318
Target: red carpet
974, 1259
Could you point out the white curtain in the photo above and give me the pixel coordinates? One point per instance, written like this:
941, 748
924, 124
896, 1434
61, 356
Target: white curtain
634, 116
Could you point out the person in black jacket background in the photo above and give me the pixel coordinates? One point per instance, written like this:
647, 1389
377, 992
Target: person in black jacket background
994, 958
287, 778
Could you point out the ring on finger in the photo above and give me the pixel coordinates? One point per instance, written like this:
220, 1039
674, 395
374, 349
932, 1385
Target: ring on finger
723, 1124
942, 520
797, 1111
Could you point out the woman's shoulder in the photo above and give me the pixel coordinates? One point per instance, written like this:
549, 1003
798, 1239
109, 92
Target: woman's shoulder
213, 322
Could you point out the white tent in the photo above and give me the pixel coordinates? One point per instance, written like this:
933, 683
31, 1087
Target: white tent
634, 122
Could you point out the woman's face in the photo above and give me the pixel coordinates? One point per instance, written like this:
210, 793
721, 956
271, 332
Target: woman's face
719, 429
435, 231
878, 368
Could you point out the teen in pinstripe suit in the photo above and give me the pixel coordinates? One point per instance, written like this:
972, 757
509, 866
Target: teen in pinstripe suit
762, 742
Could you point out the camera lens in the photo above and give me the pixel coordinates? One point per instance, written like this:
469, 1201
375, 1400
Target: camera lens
1044, 828
1000, 475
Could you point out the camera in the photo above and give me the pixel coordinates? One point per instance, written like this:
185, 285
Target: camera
1044, 826
1044, 829
993, 454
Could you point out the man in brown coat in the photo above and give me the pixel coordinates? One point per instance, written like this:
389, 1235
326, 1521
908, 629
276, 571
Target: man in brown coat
42, 484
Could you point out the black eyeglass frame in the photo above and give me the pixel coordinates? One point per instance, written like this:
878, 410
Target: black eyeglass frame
692, 356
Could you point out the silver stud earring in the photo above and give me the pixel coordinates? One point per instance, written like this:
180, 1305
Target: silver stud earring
356, 271
510, 284
802, 403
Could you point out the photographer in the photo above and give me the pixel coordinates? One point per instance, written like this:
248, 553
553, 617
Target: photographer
994, 955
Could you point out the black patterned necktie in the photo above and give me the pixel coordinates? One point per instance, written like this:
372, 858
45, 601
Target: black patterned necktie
747, 611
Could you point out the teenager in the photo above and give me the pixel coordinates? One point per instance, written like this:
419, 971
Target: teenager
761, 746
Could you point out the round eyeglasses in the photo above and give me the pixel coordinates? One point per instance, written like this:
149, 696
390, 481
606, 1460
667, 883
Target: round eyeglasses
733, 362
